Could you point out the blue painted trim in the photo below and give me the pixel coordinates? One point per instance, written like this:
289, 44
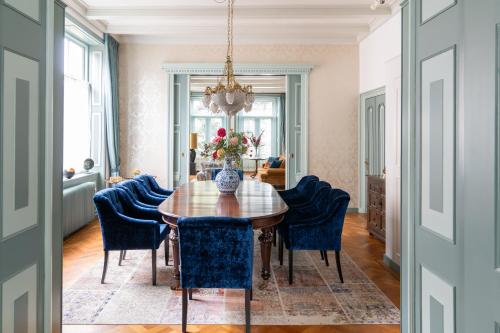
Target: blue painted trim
239, 69
392, 264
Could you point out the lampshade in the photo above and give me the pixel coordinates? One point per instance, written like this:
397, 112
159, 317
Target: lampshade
193, 141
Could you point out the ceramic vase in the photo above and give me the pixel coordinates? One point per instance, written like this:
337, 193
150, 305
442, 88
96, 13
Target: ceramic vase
227, 180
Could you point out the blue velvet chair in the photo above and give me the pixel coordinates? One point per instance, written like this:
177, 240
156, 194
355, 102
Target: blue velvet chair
128, 198
321, 230
215, 252
152, 186
125, 226
298, 193
214, 172
138, 190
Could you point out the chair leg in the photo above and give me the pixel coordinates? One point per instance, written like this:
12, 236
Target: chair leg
290, 266
280, 249
153, 262
105, 268
321, 253
121, 257
124, 254
251, 294
190, 290
247, 310
167, 250
326, 258
184, 309
274, 236
339, 267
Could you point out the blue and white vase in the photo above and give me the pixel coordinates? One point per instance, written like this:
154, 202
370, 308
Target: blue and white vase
227, 180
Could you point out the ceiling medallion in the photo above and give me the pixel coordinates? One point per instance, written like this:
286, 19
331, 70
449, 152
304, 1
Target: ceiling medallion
229, 96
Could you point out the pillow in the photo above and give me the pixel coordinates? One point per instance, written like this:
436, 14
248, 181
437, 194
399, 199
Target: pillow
276, 164
272, 159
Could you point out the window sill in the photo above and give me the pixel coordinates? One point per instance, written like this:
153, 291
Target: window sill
81, 178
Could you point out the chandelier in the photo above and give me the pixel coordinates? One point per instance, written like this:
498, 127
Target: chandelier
229, 96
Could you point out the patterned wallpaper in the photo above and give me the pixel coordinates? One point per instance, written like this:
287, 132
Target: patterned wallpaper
334, 86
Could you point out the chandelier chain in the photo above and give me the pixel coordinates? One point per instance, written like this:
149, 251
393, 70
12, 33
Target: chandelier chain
230, 29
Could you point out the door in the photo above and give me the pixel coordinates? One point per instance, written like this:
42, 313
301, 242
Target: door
180, 130
375, 135
482, 166
296, 132
22, 165
433, 168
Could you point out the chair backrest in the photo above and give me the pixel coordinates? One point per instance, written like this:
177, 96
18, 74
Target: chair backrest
216, 252
108, 205
215, 171
148, 181
314, 192
337, 209
135, 188
306, 181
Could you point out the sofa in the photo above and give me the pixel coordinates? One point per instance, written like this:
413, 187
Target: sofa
273, 176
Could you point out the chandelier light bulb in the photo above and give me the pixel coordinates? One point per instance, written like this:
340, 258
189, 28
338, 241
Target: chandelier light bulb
206, 100
230, 97
248, 107
214, 108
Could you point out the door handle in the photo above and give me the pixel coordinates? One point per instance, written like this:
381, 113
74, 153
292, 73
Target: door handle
182, 154
292, 156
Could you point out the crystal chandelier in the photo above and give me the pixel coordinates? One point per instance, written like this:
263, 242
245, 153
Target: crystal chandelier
229, 96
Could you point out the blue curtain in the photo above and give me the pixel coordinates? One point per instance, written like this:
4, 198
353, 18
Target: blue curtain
111, 105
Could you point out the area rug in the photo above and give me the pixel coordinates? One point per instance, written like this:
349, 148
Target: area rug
316, 297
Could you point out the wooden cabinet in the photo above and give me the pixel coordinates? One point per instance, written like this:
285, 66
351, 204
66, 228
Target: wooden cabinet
376, 207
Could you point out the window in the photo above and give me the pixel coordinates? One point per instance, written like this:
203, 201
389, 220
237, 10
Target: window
204, 122
264, 118
77, 133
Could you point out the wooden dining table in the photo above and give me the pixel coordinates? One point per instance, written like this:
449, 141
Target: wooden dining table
259, 202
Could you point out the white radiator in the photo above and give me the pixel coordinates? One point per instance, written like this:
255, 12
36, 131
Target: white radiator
78, 207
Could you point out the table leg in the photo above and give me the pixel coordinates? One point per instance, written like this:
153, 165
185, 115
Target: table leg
266, 239
174, 239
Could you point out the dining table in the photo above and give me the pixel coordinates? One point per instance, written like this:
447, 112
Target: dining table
257, 201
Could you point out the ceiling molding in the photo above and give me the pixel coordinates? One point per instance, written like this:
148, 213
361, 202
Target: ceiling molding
239, 69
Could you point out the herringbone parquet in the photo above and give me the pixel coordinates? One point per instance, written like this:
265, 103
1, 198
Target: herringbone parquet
83, 249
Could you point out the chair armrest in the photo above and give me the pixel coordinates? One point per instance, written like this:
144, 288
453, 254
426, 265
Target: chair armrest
139, 212
275, 171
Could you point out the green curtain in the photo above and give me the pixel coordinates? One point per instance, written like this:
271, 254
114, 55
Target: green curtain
111, 105
282, 117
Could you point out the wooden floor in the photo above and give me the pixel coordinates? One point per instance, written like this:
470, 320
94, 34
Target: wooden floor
83, 249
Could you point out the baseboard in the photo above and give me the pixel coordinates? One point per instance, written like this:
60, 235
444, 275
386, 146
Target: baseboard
353, 210
392, 264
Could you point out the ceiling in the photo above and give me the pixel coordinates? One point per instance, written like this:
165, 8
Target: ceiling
256, 21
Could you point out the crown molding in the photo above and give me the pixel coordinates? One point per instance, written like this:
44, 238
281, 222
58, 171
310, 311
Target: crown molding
239, 69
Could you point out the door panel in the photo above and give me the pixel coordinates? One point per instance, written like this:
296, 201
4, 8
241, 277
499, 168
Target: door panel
375, 135
295, 138
181, 129
22, 165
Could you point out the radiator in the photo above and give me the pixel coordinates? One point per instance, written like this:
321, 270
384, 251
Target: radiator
78, 207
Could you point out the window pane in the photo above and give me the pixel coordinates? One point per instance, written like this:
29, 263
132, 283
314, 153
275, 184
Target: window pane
266, 125
74, 60
76, 123
200, 127
260, 109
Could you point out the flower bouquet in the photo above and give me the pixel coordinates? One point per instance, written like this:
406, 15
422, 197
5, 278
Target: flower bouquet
228, 148
256, 142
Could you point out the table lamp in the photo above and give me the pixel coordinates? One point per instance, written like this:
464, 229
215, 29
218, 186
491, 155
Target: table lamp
193, 145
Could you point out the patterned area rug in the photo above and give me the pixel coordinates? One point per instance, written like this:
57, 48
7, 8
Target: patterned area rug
316, 297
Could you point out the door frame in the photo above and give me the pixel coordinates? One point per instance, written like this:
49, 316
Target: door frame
239, 69
361, 145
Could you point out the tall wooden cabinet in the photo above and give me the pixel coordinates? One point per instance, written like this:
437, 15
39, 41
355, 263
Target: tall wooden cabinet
376, 206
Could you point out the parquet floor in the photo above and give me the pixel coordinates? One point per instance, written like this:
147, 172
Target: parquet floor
83, 249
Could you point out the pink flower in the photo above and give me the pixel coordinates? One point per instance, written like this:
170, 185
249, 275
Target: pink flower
221, 132
216, 139
215, 155
233, 141
244, 140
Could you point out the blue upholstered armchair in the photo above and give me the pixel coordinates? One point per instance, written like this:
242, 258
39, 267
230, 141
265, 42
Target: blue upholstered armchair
208, 262
319, 230
298, 193
125, 226
140, 193
214, 172
152, 186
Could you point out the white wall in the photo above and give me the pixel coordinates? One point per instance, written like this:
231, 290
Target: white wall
375, 50
380, 66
